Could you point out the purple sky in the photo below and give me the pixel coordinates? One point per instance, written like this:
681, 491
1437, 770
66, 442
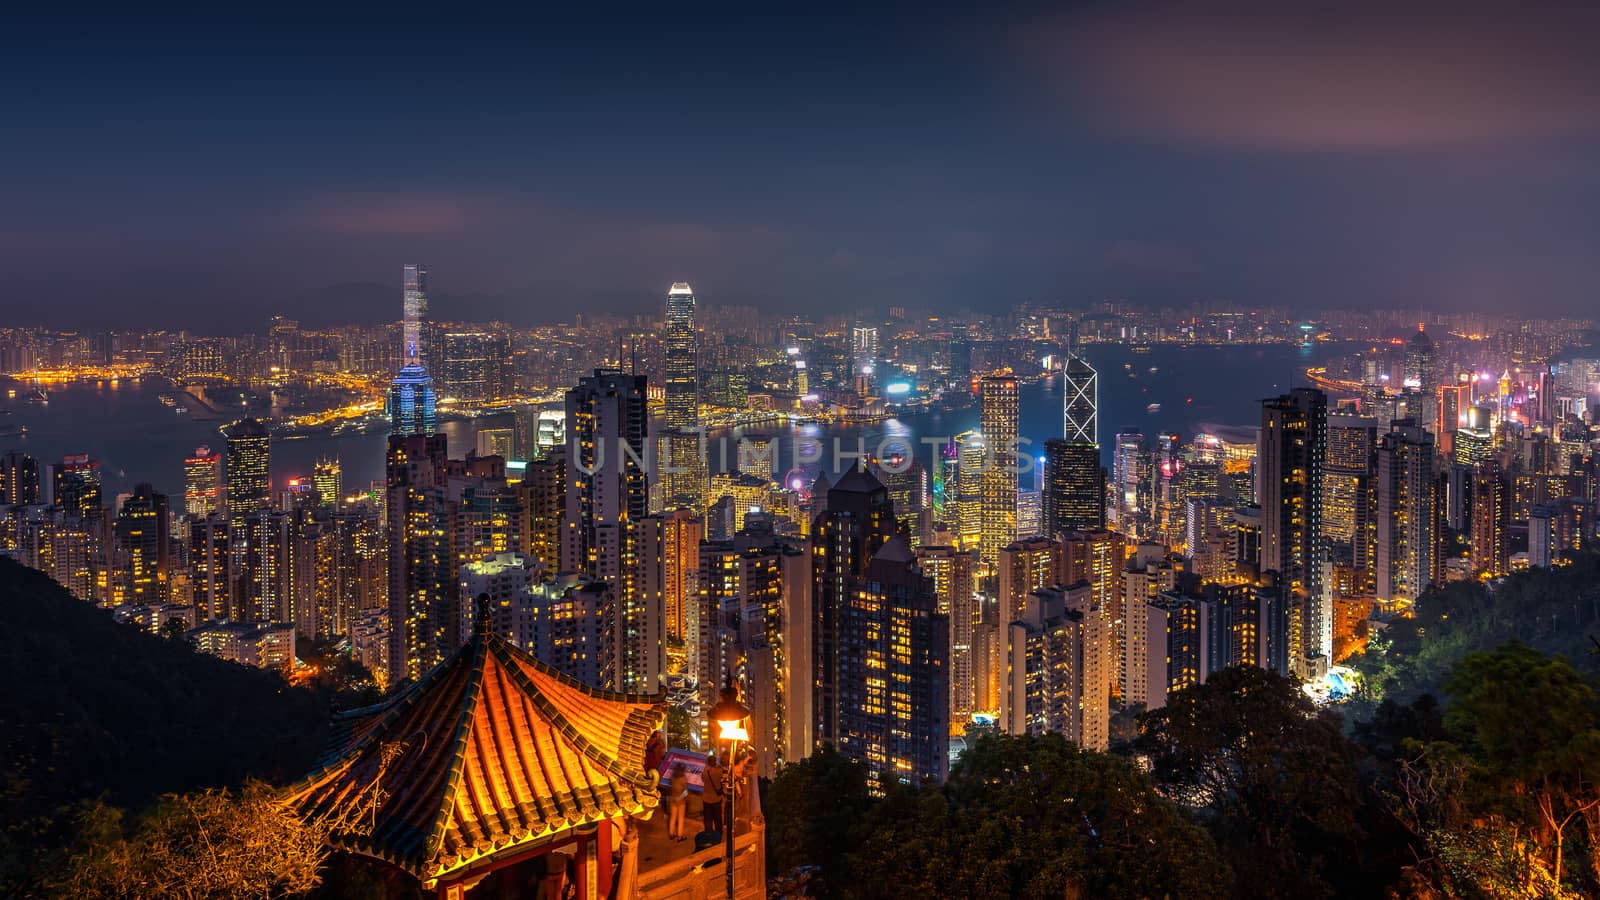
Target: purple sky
209, 175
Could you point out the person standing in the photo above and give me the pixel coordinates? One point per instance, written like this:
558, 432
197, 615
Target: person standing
677, 802
711, 794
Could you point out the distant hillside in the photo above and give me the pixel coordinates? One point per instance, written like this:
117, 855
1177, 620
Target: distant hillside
91, 708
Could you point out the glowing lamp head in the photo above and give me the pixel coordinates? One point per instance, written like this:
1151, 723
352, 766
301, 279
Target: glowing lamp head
730, 715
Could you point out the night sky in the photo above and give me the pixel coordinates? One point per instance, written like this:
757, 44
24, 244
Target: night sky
168, 173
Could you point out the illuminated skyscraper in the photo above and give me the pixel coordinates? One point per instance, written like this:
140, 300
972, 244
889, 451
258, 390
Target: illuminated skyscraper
142, 560
857, 521
19, 479
249, 467
1290, 457
202, 482
328, 478
1491, 519
864, 346
607, 421
1080, 407
964, 498
76, 484
1074, 487
1056, 669
1405, 519
682, 363
893, 682
998, 420
1130, 482
411, 395
1347, 493
951, 571
423, 590
472, 365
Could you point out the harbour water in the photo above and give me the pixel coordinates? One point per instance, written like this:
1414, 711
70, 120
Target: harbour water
1167, 388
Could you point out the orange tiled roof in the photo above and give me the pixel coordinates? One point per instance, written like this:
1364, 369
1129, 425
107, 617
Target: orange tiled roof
490, 751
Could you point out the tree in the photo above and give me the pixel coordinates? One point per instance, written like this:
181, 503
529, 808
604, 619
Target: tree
213, 843
1530, 726
811, 809
1274, 779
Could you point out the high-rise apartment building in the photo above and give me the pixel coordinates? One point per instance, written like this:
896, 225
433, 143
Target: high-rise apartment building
327, 476
249, 467
858, 519
1348, 494
142, 557
893, 681
1290, 457
682, 362
1056, 669
76, 487
998, 405
202, 482
607, 423
19, 479
1406, 494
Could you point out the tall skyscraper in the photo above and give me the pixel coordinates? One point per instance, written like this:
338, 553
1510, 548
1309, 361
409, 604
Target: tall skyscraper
76, 484
864, 347
1405, 514
19, 479
682, 363
328, 478
1491, 519
1347, 494
1056, 669
951, 571
1290, 456
847, 534
1080, 407
411, 395
997, 418
423, 625
893, 683
143, 559
202, 482
1130, 482
1074, 487
607, 422
249, 467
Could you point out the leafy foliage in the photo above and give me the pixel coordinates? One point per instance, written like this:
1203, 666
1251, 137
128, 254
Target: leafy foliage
211, 843
1019, 817
1275, 780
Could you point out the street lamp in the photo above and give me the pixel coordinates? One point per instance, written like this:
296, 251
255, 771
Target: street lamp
730, 716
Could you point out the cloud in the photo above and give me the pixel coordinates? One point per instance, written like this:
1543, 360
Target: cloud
1329, 76
383, 214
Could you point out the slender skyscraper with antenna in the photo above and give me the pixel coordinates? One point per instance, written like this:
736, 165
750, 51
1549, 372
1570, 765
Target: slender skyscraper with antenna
411, 397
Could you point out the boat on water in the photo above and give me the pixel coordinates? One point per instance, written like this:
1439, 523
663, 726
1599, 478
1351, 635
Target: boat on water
39, 396
1153, 408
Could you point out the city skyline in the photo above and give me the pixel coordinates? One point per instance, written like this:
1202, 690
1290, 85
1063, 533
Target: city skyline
946, 438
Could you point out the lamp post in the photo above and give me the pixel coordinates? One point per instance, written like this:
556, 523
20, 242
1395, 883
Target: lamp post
730, 716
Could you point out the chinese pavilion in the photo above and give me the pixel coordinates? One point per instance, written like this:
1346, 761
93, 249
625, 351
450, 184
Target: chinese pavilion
492, 765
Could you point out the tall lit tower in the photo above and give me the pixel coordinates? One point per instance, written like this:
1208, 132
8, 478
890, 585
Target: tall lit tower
411, 397
997, 418
682, 387
1405, 537
1080, 422
249, 465
202, 482
1291, 454
328, 478
1074, 481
